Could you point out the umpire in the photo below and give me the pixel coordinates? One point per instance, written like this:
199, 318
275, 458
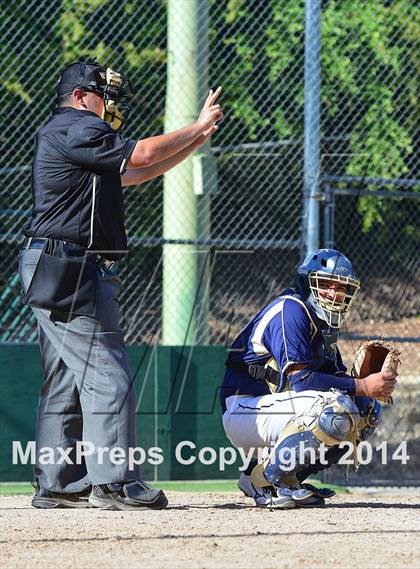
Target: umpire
75, 235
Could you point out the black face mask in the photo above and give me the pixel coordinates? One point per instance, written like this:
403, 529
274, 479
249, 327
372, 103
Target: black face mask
117, 99
114, 87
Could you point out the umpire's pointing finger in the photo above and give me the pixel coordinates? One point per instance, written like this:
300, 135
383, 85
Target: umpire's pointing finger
214, 95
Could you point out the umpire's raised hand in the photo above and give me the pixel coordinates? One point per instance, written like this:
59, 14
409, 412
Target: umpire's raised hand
211, 113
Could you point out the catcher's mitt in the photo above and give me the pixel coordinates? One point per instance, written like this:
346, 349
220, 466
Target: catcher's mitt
373, 357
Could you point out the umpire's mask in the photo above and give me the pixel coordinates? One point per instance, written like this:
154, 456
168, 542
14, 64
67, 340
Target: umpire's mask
114, 87
117, 98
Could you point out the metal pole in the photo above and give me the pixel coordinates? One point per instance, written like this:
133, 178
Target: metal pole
332, 219
180, 203
329, 206
312, 126
205, 180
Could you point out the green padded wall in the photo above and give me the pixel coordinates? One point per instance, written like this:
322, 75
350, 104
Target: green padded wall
177, 392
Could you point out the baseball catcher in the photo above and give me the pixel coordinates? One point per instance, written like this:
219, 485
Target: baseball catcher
286, 389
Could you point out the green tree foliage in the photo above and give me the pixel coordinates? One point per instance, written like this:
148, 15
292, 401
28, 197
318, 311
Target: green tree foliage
369, 94
371, 74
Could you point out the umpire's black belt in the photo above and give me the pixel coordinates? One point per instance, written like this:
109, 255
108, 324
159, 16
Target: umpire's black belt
38, 243
64, 279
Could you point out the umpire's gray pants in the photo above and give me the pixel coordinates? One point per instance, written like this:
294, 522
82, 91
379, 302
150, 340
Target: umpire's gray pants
87, 393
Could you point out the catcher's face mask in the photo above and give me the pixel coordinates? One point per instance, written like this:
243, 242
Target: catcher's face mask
334, 294
327, 281
113, 87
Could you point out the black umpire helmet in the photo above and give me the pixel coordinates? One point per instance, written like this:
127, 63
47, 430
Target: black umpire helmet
89, 76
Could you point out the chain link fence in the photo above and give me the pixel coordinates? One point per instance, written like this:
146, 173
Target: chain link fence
368, 96
248, 236
252, 236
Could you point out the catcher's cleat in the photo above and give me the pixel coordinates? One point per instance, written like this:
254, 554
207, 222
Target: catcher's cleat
267, 497
45, 499
248, 489
319, 492
132, 495
306, 498
289, 498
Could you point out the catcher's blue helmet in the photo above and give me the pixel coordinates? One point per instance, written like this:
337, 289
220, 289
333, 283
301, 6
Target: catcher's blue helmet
323, 269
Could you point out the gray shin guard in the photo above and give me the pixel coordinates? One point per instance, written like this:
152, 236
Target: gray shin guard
293, 454
331, 419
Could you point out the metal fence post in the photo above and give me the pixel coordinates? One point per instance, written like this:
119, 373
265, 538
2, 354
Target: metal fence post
312, 126
180, 261
329, 210
203, 178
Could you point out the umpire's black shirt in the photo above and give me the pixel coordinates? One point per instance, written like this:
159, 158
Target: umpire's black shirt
76, 181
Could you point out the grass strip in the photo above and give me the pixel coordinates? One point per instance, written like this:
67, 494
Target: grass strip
25, 489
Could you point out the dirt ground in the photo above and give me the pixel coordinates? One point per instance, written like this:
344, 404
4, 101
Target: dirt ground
208, 530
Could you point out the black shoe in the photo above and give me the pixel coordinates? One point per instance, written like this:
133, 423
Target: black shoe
319, 492
45, 499
306, 498
127, 496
